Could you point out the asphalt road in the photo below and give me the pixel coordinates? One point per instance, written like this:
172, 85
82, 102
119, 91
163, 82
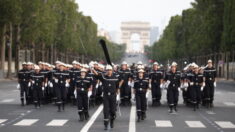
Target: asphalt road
221, 118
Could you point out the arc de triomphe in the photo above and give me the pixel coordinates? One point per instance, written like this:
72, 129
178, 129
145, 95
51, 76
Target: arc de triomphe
135, 27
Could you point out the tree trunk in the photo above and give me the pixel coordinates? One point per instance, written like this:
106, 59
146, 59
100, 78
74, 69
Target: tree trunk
3, 49
17, 42
9, 52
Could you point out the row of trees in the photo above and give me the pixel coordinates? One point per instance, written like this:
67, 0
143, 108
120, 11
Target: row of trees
208, 27
49, 29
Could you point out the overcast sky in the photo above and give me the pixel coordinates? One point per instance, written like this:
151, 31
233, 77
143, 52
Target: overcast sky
109, 14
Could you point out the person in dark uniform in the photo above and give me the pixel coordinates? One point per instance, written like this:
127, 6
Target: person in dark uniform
111, 88
189, 76
210, 84
197, 81
172, 79
45, 72
61, 78
29, 98
125, 90
140, 89
23, 80
83, 87
73, 73
37, 80
156, 79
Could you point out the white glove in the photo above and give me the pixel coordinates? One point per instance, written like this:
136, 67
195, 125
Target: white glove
129, 83
215, 84
29, 84
97, 85
56, 80
43, 88
51, 84
147, 94
18, 86
203, 84
100, 83
202, 88
167, 83
179, 89
150, 86
33, 82
186, 85
89, 94
132, 84
66, 84
133, 96
75, 93
118, 97
191, 83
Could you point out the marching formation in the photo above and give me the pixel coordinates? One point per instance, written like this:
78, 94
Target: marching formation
86, 85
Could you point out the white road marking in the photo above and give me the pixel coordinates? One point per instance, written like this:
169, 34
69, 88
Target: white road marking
210, 112
26, 122
7, 100
56, 123
195, 124
132, 121
2, 120
92, 119
225, 124
163, 123
229, 103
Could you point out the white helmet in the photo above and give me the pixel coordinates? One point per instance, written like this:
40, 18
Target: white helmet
139, 63
83, 70
124, 63
36, 67
141, 70
174, 64
108, 67
155, 63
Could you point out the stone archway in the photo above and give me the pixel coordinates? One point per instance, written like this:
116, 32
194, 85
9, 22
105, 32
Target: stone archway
135, 27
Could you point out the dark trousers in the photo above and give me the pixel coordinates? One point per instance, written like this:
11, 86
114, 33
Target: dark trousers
196, 94
141, 103
172, 96
109, 111
82, 101
209, 91
60, 94
125, 93
24, 91
37, 94
156, 92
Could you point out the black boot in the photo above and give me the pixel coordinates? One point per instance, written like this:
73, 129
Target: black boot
138, 119
35, 105
112, 123
175, 108
143, 116
171, 109
59, 107
81, 116
87, 116
22, 102
63, 106
106, 125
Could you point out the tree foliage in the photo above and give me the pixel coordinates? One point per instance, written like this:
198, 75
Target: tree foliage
207, 27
